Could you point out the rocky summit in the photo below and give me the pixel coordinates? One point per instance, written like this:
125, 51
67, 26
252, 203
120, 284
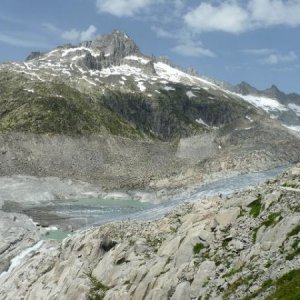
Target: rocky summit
124, 176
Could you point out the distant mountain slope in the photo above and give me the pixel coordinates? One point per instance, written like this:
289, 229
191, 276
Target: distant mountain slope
109, 79
284, 107
110, 69
108, 88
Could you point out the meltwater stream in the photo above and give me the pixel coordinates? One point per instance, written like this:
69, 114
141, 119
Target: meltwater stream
79, 213
222, 186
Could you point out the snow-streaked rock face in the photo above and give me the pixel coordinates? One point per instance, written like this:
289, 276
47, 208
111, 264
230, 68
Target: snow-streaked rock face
175, 75
142, 60
278, 105
88, 67
110, 55
104, 62
295, 129
295, 108
267, 104
287, 113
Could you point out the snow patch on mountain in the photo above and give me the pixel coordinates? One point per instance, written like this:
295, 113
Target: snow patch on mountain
123, 70
177, 76
266, 104
169, 88
249, 119
141, 86
77, 49
190, 94
293, 128
78, 57
29, 90
139, 59
295, 108
200, 121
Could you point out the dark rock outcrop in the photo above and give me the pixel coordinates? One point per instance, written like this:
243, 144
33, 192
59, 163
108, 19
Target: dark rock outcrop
33, 55
106, 244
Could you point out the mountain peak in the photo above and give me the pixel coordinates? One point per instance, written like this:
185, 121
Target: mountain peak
274, 92
117, 44
273, 88
245, 88
33, 55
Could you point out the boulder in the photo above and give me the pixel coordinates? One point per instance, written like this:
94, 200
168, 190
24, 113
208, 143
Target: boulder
273, 237
206, 270
182, 291
271, 198
227, 216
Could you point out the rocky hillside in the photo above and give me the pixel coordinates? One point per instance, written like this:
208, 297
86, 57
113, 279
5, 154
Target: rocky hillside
73, 111
244, 246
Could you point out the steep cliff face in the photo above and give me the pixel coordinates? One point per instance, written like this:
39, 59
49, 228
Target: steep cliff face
244, 246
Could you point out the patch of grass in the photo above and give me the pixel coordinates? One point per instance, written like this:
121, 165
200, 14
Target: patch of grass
268, 264
153, 241
255, 207
295, 231
218, 260
225, 243
273, 219
290, 184
265, 285
232, 272
254, 234
268, 283
296, 243
198, 247
287, 287
234, 286
297, 208
292, 255
97, 290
